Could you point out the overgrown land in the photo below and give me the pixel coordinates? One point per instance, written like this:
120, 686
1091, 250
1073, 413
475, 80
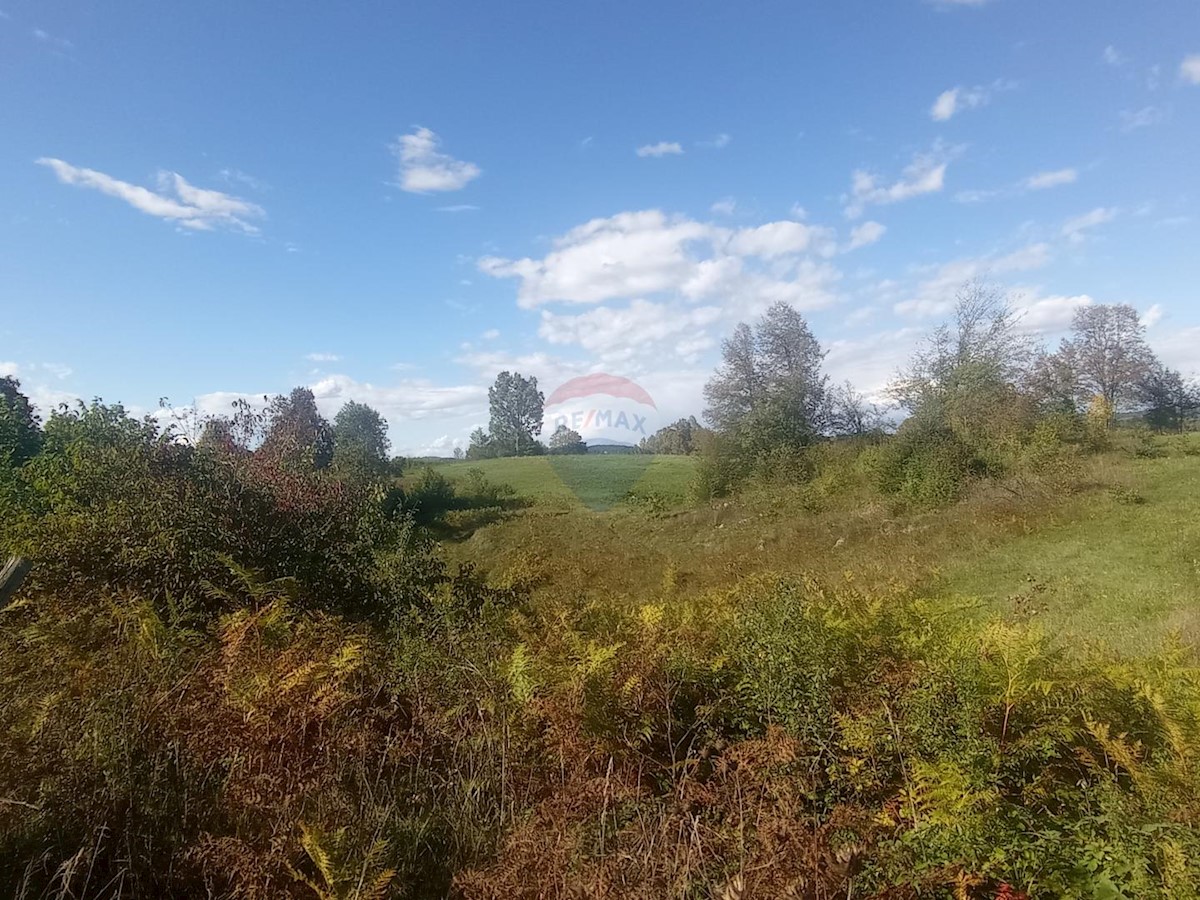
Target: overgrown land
809, 654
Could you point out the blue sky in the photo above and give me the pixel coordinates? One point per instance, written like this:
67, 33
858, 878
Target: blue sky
391, 202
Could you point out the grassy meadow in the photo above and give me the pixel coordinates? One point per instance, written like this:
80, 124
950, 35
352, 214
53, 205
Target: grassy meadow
596, 481
1117, 562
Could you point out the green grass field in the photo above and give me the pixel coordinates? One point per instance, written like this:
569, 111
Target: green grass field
1118, 564
595, 481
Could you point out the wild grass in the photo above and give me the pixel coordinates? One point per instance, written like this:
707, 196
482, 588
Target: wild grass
592, 481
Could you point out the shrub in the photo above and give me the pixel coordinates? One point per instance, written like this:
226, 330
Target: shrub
927, 464
430, 496
112, 505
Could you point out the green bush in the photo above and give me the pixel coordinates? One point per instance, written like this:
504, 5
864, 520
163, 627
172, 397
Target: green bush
927, 464
112, 505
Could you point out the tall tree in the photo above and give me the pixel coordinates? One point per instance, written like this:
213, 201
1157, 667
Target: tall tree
736, 386
1171, 400
296, 433
1111, 356
851, 413
1055, 382
790, 361
769, 381
516, 407
20, 436
481, 445
966, 366
360, 441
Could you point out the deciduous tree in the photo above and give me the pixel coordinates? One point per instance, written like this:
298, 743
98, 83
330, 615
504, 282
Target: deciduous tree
516, 407
20, 436
566, 441
296, 433
360, 441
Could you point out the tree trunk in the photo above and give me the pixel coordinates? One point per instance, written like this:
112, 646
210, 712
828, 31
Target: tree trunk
11, 576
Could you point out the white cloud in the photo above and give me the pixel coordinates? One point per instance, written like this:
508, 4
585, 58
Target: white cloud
776, 239
1152, 316
423, 168
959, 99
724, 207
1132, 120
642, 329
190, 207
870, 363
864, 234
1075, 229
1189, 69
720, 142
952, 4
1046, 315
1114, 57
1039, 181
46, 38
926, 174
1176, 347
491, 334
229, 176
935, 295
457, 208
322, 357
978, 196
662, 148
637, 255
1043, 180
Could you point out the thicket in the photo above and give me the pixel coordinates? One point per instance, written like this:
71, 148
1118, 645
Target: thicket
979, 400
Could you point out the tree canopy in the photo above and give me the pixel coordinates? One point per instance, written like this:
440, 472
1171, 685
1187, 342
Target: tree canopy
516, 407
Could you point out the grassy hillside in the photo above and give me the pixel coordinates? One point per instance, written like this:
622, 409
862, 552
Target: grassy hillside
597, 481
1118, 562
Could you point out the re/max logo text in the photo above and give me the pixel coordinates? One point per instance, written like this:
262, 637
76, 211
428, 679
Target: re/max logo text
602, 418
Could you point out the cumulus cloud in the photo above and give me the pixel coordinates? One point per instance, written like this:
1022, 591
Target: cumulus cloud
645, 254
424, 168
724, 207
926, 174
176, 200
1047, 314
322, 357
1074, 230
662, 148
1152, 316
1189, 69
619, 336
